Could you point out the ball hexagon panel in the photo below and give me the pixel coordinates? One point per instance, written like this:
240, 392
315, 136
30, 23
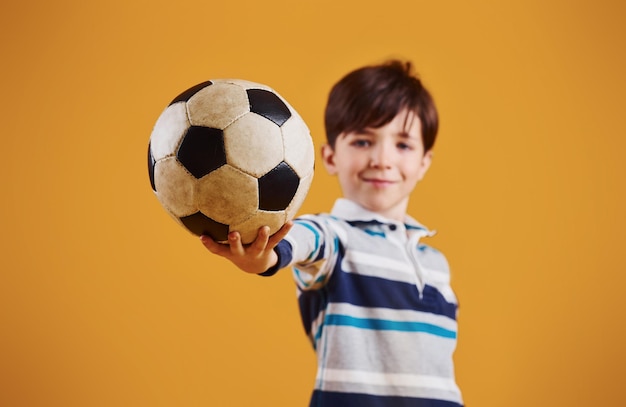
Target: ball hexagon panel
218, 105
268, 105
202, 150
199, 224
227, 195
298, 198
249, 229
169, 129
175, 187
298, 145
277, 188
253, 144
184, 96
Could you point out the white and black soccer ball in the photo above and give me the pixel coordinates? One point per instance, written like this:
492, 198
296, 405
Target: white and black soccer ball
230, 154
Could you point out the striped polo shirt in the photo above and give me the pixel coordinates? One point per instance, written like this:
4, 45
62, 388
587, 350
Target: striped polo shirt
377, 305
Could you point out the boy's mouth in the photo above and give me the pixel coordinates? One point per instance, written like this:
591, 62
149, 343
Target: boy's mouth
378, 182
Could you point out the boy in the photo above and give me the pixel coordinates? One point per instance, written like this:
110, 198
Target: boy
375, 302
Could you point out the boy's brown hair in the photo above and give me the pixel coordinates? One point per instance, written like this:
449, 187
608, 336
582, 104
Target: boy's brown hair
373, 95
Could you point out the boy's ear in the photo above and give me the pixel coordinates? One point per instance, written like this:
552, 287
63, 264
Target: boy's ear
427, 159
328, 156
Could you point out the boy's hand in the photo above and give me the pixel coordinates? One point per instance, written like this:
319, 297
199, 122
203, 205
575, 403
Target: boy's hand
254, 258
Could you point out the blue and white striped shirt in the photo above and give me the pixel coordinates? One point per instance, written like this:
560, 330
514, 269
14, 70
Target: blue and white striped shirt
378, 308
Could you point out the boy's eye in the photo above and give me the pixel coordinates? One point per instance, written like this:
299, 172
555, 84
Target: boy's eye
361, 143
404, 146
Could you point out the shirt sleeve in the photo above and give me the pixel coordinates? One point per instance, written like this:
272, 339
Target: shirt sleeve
284, 252
311, 249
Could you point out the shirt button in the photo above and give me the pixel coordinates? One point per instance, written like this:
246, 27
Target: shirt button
393, 227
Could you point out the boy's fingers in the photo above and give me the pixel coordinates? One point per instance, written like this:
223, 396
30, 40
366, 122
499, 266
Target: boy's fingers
260, 243
213, 246
234, 241
280, 235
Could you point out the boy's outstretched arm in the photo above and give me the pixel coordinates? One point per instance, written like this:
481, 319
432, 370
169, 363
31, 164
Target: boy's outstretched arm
254, 258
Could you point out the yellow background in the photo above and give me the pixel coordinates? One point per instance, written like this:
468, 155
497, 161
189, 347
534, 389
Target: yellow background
105, 301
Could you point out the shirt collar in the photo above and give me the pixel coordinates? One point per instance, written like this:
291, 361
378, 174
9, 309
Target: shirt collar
353, 212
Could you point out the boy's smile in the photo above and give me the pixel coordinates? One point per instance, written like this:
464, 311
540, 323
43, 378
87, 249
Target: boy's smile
379, 167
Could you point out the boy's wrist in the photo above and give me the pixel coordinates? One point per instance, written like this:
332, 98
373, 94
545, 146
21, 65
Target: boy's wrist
283, 257
270, 271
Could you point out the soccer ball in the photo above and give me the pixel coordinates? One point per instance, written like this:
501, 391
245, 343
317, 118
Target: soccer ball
230, 154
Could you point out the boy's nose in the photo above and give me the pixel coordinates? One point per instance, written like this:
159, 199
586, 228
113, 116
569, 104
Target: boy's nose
380, 156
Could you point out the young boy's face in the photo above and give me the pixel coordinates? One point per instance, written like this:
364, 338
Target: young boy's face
379, 167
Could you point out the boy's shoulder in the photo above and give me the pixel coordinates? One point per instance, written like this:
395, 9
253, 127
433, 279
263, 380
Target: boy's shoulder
432, 257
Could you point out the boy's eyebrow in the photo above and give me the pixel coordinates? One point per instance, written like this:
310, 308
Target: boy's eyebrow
370, 132
406, 134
